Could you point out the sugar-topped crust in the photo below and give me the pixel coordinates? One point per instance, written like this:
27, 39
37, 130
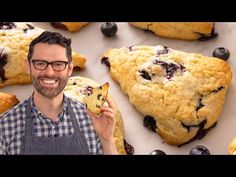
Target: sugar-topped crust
180, 30
180, 94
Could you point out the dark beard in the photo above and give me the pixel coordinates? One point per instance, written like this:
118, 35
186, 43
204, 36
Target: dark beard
49, 93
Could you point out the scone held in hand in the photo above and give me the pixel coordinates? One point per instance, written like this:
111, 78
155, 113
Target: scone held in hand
77, 88
95, 97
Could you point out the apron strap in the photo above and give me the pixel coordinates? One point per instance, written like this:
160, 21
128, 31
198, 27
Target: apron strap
73, 119
80, 136
28, 121
28, 128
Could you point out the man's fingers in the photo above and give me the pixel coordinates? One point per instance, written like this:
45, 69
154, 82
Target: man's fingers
109, 115
108, 109
109, 102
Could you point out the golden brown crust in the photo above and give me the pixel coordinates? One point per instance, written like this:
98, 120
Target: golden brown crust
69, 26
232, 147
178, 30
74, 89
7, 101
183, 92
14, 44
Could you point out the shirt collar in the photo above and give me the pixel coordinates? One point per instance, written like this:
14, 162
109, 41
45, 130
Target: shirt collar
39, 114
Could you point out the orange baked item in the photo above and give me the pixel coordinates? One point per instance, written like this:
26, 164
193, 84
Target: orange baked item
7, 101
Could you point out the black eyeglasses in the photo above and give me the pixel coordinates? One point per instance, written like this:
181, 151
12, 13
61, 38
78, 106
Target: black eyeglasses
56, 65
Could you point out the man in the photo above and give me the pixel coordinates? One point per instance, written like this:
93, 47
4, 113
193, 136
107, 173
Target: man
49, 122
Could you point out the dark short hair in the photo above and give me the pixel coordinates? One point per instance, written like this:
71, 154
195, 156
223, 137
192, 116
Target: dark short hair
51, 38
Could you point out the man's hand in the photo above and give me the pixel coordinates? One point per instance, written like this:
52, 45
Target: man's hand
104, 125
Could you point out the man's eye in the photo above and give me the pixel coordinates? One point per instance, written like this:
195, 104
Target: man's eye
40, 63
58, 64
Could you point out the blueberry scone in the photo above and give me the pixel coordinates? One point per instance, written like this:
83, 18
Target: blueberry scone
14, 42
78, 88
232, 147
180, 94
180, 30
95, 97
69, 26
7, 101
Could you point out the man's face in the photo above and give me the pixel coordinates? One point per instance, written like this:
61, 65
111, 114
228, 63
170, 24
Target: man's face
49, 82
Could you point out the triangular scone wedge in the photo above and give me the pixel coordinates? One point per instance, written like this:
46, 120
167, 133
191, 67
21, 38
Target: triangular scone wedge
95, 97
14, 42
7, 101
180, 30
69, 26
76, 89
180, 94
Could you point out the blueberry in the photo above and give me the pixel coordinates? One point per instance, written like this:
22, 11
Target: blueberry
99, 96
165, 50
3, 59
131, 48
7, 25
222, 53
170, 68
3, 62
199, 150
106, 62
150, 123
109, 29
128, 148
145, 75
30, 27
157, 152
88, 90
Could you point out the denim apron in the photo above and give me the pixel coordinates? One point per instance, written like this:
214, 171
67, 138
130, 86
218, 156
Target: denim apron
74, 144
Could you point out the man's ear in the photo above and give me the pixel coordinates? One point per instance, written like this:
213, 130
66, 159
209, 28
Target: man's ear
27, 66
70, 67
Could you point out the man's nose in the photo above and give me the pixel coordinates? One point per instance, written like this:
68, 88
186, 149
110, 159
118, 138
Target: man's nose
49, 70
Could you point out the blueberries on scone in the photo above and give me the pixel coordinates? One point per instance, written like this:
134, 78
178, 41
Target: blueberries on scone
222, 53
150, 123
170, 68
109, 29
145, 75
199, 150
157, 152
3, 62
7, 25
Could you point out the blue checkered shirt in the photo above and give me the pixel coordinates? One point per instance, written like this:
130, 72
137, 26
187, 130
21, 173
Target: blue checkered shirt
12, 126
